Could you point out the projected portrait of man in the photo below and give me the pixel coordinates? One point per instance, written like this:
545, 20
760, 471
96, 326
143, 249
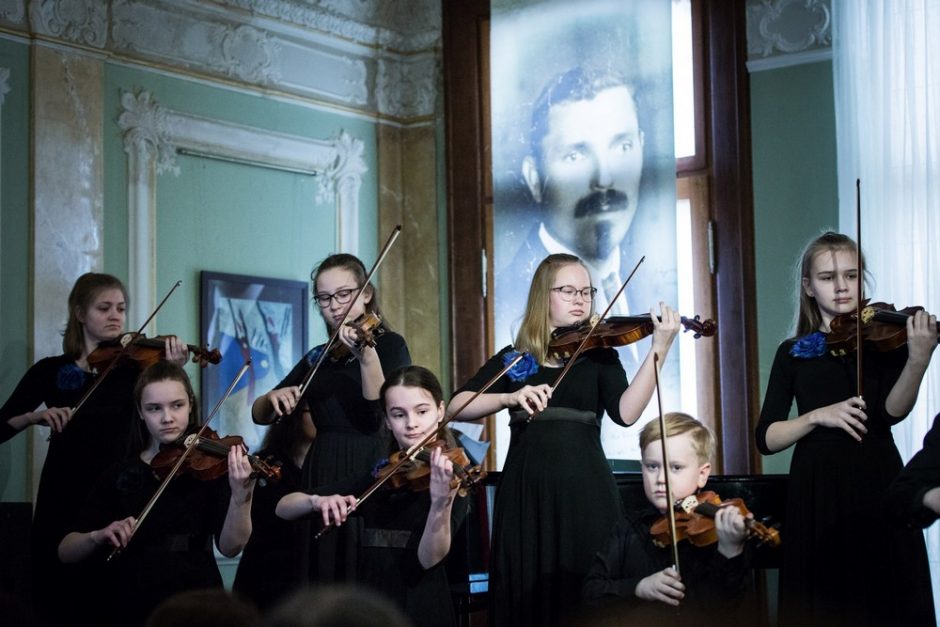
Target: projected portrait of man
583, 171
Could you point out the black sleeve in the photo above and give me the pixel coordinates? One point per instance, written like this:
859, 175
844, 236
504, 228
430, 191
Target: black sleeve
906, 494
890, 364
617, 569
612, 381
489, 370
393, 352
778, 399
28, 395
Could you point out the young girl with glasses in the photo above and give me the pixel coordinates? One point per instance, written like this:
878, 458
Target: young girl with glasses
557, 500
343, 395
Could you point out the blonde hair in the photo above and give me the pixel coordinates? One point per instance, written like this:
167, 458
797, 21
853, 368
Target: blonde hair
535, 331
677, 423
808, 317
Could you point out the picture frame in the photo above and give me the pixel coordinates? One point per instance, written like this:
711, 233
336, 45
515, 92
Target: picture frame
261, 317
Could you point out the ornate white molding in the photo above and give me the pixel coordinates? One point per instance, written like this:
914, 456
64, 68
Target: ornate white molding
81, 21
13, 11
787, 26
154, 135
407, 88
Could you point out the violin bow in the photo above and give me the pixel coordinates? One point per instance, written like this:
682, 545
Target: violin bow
192, 443
305, 383
858, 296
413, 451
104, 373
669, 499
587, 336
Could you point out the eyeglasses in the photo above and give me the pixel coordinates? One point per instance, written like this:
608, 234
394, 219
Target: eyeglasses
567, 293
342, 297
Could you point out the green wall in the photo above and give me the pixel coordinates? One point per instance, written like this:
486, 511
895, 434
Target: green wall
795, 195
15, 229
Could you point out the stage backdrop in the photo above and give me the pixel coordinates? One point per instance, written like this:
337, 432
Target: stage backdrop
584, 162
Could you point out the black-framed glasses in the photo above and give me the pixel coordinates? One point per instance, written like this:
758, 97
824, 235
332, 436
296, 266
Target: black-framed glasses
342, 296
567, 292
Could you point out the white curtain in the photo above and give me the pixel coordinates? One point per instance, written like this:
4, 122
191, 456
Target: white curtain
886, 63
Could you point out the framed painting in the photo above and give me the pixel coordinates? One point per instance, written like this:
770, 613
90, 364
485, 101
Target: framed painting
248, 317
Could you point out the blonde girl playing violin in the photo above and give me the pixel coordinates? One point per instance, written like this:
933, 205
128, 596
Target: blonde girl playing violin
836, 570
82, 446
557, 501
406, 533
171, 550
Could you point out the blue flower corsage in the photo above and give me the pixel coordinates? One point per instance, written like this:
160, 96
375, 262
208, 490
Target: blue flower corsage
524, 368
809, 346
379, 465
314, 354
70, 377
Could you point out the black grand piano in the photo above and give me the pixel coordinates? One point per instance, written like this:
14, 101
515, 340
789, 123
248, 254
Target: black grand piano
467, 564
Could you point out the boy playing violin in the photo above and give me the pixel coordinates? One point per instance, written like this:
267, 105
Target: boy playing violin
641, 576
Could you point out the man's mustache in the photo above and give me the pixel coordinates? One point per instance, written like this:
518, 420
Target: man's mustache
601, 202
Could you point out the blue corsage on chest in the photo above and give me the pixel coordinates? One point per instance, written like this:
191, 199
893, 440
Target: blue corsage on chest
314, 354
524, 368
70, 377
809, 346
379, 465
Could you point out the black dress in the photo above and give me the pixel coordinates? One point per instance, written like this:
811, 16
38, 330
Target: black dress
171, 551
348, 440
556, 501
94, 440
717, 588
269, 567
392, 523
843, 562
922, 473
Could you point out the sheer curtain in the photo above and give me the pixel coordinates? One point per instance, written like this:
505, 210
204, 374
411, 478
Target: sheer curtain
887, 95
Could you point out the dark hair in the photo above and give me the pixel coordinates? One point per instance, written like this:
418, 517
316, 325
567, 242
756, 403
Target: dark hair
86, 289
337, 605
357, 268
809, 318
415, 377
203, 608
576, 84
160, 371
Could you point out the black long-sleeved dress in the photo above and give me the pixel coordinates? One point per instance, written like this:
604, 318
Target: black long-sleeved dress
922, 473
843, 562
92, 441
269, 567
171, 550
349, 439
392, 522
557, 500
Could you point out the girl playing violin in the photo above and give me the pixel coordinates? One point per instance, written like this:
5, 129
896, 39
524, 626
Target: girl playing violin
557, 501
407, 533
172, 550
842, 563
343, 394
638, 577
83, 448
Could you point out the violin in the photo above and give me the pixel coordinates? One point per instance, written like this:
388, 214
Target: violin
209, 459
416, 474
145, 351
884, 328
368, 326
617, 331
695, 521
